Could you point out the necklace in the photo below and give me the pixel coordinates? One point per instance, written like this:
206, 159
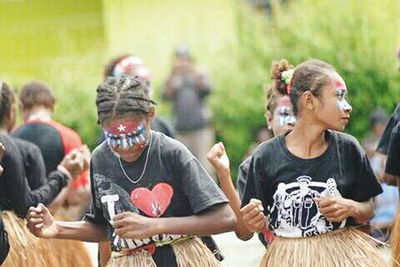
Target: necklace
144, 167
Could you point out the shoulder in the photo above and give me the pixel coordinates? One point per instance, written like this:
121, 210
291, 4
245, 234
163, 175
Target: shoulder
25, 147
269, 147
101, 152
64, 130
347, 142
171, 148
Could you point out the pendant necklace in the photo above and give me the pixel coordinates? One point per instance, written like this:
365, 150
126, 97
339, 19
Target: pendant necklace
144, 168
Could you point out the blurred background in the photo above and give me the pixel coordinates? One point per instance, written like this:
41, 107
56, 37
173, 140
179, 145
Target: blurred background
67, 43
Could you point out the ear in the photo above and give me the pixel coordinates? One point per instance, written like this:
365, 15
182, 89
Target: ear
269, 117
151, 113
309, 101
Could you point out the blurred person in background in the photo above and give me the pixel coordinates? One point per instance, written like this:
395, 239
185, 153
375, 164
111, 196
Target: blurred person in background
187, 89
386, 204
129, 65
55, 140
4, 245
18, 191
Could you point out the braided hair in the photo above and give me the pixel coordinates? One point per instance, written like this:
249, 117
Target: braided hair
117, 96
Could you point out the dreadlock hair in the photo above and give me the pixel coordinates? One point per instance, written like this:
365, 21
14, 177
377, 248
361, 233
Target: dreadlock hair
7, 99
120, 95
311, 75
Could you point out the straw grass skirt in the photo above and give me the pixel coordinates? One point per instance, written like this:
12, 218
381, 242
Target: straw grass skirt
26, 250
188, 253
342, 248
395, 240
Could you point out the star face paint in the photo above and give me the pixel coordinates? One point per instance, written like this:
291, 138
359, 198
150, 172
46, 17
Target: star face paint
126, 135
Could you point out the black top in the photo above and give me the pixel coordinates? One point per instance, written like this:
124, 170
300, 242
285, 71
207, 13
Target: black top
287, 185
47, 138
393, 155
383, 145
15, 192
174, 184
242, 175
35, 168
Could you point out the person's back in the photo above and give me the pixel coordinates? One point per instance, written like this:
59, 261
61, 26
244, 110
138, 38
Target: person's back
54, 140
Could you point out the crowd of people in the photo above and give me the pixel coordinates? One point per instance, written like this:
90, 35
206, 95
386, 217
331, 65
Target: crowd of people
147, 193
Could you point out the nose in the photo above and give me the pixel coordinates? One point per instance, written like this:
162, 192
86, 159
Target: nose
347, 107
291, 121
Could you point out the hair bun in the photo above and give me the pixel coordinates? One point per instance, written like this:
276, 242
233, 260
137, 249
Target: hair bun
281, 74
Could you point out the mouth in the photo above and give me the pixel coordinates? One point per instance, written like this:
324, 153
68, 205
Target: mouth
346, 119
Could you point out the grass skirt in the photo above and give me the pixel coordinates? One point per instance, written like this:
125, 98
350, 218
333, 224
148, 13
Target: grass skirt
342, 248
395, 240
26, 250
188, 253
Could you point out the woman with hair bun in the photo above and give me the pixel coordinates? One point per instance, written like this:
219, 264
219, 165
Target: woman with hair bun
314, 182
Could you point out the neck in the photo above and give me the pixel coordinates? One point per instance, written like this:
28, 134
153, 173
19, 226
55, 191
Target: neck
38, 114
307, 140
3, 130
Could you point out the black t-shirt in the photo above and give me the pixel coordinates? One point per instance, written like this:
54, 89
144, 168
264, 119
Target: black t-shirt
287, 185
47, 138
15, 192
393, 155
383, 145
174, 184
242, 176
35, 168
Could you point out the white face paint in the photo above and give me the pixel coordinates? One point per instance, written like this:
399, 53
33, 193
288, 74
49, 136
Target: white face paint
342, 103
285, 116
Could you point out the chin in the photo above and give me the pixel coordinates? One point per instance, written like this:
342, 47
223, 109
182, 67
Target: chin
130, 158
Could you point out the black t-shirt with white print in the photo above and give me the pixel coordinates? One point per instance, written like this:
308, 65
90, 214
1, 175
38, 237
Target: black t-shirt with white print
393, 156
174, 184
287, 185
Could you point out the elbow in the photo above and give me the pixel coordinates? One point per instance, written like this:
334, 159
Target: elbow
229, 219
243, 236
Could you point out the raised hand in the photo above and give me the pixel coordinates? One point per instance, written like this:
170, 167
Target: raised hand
76, 161
41, 223
253, 216
218, 158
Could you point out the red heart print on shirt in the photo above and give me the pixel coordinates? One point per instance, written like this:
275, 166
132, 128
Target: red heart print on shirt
155, 202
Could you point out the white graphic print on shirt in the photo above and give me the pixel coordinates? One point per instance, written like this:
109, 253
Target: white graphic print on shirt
295, 213
115, 200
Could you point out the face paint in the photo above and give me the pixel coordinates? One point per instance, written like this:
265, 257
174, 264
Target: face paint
285, 116
126, 135
341, 102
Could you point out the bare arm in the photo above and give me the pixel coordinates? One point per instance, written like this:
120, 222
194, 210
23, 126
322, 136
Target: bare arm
220, 161
42, 224
217, 219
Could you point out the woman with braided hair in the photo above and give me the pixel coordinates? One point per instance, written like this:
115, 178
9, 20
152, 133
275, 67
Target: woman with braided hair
314, 182
151, 196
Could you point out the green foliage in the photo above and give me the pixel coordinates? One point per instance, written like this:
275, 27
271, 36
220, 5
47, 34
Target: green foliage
358, 38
